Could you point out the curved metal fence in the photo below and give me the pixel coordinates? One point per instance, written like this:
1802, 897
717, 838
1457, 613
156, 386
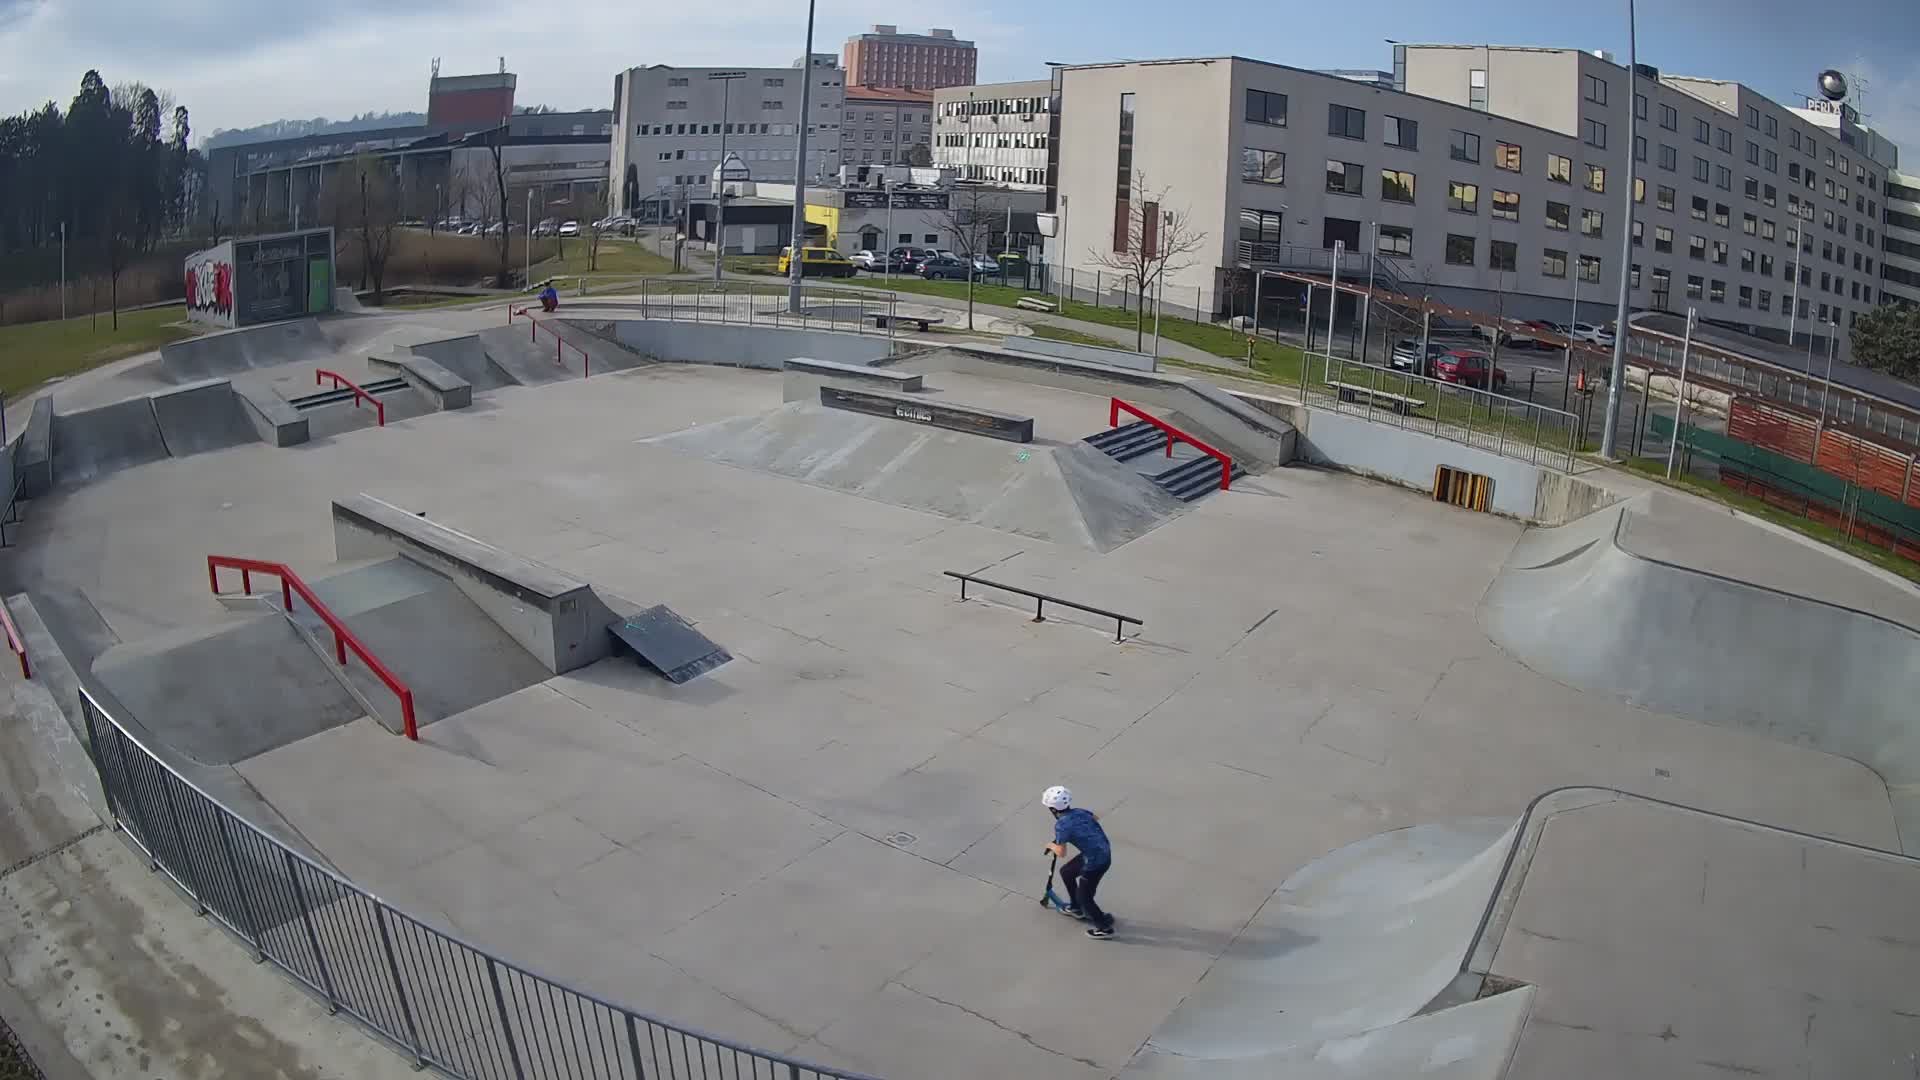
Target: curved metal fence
443, 1002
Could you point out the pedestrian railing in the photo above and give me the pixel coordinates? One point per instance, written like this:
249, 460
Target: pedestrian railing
756, 303
1487, 419
440, 1000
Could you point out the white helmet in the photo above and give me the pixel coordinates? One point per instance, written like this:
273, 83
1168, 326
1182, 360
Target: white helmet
1056, 798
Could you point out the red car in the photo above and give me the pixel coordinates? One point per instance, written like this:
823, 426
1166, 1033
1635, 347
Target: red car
1469, 367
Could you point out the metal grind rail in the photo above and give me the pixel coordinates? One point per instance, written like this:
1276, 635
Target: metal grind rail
343, 638
1115, 407
340, 381
1041, 600
559, 343
442, 1001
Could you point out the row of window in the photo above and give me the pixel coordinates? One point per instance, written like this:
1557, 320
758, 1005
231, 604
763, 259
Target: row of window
716, 129
995, 106
1018, 140
1699, 287
775, 81
714, 155
885, 116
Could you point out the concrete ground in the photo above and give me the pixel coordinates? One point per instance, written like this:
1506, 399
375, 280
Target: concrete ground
831, 845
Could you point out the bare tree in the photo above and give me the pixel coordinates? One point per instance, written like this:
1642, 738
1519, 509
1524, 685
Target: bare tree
972, 219
593, 209
375, 217
1158, 241
496, 148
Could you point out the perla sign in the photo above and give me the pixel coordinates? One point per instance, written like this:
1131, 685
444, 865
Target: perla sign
1845, 111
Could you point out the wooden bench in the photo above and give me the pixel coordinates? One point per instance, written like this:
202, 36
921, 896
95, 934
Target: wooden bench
1034, 303
1399, 403
924, 322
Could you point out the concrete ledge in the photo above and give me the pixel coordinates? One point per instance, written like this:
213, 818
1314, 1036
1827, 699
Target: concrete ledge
803, 377
440, 386
278, 423
1067, 350
919, 410
35, 451
557, 618
768, 347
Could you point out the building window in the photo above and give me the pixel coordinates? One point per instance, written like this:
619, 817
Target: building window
1464, 146
773, 105
1723, 139
677, 82
1753, 117
1747, 260
1559, 168
1596, 89
1506, 156
1771, 161
1401, 132
1766, 295
1718, 291
1699, 212
1633, 276
1396, 185
1669, 118
1639, 148
1753, 153
1264, 107
1343, 177
1395, 240
1263, 166
1559, 216
1553, 263
1752, 188
1260, 226
1722, 215
1590, 268
1696, 286
1123, 178
1640, 190
1459, 250
1702, 170
1669, 158
1592, 223
1597, 179
1506, 205
1719, 253
1702, 131
1640, 106
1639, 233
1503, 255
1476, 97
1749, 224
1593, 132
1773, 132
1793, 170
1346, 123
1463, 197
1663, 198
1770, 195
1662, 285
1767, 229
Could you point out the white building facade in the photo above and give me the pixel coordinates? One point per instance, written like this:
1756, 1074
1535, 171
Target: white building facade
668, 128
995, 133
1900, 273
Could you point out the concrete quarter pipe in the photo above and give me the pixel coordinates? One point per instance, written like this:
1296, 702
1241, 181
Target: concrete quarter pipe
1578, 604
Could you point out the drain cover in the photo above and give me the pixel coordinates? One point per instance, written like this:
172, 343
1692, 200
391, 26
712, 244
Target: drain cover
900, 839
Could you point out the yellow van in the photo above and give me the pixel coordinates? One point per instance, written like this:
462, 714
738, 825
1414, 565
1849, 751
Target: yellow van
817, 262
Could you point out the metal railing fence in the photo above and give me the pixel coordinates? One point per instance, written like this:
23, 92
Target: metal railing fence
1508, 426
443, 1002
757, 303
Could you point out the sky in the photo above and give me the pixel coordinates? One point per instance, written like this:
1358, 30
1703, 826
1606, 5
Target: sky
236, 63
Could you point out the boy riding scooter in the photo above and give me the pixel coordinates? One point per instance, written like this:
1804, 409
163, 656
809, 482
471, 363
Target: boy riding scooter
1093, 856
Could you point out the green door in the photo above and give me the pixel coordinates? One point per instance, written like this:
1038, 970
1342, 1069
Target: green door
319, 287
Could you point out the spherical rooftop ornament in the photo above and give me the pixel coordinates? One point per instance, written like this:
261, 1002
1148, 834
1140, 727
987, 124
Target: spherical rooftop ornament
1833, 85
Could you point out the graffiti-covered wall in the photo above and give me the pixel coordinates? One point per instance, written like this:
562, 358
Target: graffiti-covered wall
210, 285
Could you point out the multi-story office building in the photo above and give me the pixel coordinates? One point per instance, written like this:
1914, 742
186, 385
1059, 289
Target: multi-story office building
886, 57
995, 132
668, 127
1786, 175
1478, 208
1900, 267
881, 126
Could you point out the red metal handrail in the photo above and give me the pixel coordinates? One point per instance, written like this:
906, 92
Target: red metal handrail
1226, 463
15, 642
558, 341
340, 380
343, 638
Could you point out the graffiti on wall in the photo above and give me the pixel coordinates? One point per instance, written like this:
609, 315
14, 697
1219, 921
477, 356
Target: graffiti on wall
210, 288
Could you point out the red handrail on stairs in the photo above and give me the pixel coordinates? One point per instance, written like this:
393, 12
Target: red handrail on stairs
340, 380
533, 336
1173, 433
343, 638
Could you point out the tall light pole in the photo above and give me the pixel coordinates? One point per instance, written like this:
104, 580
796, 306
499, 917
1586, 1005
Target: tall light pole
800, 168
725, 79
526, 243
1617, 372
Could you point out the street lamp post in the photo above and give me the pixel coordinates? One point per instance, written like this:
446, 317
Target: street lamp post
800, 167
1617, 372
725, 79
886, 248
526, 244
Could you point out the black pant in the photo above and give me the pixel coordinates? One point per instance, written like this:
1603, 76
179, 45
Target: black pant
1081, 884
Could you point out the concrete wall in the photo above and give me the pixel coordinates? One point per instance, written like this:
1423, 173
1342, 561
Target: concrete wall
35, 451
745, 346
278, 423
1409, 458
1093, 354
442, 388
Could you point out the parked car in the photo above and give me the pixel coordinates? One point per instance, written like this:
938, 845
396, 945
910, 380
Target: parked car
907, 259
948, 267
1406, 355
569, 228
816, 262
985, 266
1594, 335
866, 260
547, 227
1468, 367
1513, 338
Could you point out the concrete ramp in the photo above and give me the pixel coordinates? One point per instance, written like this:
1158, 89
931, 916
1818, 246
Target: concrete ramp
224, 693
253, 347
466, 357
1576, 604
521, 361
1066, 494
201, 417
93, 443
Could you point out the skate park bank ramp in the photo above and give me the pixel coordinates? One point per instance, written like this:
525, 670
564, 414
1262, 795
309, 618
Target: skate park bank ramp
1338, 973
193, 419
1579, 604
246, 349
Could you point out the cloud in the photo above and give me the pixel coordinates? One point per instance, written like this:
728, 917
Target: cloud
1891, 95
234, 63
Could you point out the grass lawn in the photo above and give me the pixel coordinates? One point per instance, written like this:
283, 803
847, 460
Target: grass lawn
618, 255
32, 353
1062, 333
1656, 469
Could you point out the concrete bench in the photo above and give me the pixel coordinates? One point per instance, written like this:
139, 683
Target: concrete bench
1399, 403
442, 387
900, 381
1034, 303
925, 322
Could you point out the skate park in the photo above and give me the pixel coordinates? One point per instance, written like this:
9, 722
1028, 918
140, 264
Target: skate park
1395, 788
